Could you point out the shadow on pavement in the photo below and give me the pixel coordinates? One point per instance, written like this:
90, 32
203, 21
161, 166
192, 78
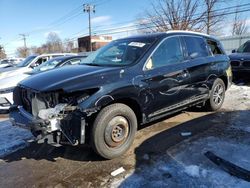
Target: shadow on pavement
172, 136
156, 144
51, 153
83, 153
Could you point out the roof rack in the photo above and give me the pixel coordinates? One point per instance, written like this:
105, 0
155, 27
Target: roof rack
186, 31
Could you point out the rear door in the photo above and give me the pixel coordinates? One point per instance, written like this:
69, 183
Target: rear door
167, 77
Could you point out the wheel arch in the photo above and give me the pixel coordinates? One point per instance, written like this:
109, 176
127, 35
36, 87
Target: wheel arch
213, 77
225, 80
132, 103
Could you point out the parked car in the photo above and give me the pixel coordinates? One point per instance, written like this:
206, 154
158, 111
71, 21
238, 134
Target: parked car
5, 63
10, 62
8, 84
129, 82
240, 59
29, 64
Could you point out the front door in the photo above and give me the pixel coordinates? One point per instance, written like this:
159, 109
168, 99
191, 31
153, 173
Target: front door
167, 77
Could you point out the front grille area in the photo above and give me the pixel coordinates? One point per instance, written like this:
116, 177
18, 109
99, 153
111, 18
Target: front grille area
26, 99
235, 63
33, 101
246, 64
240, 64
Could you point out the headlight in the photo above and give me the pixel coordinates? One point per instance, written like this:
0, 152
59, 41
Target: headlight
7, 90
229, 72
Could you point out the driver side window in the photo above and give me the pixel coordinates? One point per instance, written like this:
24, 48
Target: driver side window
168, 53
39, 62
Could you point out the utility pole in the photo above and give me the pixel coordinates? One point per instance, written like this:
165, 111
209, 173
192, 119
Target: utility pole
24, 37
89, 8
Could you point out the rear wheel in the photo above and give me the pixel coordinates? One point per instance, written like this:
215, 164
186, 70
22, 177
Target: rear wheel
217, 95
113, 130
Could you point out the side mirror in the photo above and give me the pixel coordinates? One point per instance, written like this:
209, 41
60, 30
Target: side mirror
233, 51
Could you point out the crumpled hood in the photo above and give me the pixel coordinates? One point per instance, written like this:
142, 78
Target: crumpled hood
69, 78
240, 56
12, 81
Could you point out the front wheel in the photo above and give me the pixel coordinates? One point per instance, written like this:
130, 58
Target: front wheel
217, 95
114, 130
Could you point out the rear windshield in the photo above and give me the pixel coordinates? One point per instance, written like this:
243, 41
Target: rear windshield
48, 65
245, 48
27, 61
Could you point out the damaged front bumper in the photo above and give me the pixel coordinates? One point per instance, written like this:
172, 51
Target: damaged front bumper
69, 130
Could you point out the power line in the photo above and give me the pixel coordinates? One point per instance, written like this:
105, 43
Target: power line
67, 17
132, 27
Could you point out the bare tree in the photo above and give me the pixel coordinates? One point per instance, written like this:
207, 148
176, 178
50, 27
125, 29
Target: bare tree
212, 19
172, 14
54, 43
22, 52
2, 53
239, 24
68, 45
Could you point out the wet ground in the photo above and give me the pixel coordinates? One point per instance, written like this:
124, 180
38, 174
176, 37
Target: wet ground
158, 147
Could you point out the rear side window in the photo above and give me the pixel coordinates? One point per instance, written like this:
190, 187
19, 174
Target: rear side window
245, 48
196, 47
214, 47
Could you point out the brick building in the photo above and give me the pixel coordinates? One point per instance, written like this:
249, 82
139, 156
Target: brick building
97, 42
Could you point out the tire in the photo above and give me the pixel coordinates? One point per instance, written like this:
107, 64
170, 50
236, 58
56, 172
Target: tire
217, 95
113, 130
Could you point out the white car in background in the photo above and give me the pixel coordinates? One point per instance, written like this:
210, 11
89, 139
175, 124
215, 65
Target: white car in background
10, 62
29, 64
9, 83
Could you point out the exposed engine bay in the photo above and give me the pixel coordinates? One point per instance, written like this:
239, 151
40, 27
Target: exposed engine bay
60, 119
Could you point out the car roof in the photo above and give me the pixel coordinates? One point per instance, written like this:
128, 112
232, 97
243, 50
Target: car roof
147, 36
169, 33
54, 54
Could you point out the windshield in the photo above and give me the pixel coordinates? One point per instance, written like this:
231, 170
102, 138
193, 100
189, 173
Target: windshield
48, 65
119, 53
245, 48
26, 62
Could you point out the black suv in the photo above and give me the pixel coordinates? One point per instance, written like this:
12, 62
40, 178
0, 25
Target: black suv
129, 82
240, 60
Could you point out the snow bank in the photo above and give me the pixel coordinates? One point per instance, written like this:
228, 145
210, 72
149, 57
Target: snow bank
237, 98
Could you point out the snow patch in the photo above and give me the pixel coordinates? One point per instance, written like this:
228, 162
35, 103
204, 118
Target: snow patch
237, 98
193, 171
